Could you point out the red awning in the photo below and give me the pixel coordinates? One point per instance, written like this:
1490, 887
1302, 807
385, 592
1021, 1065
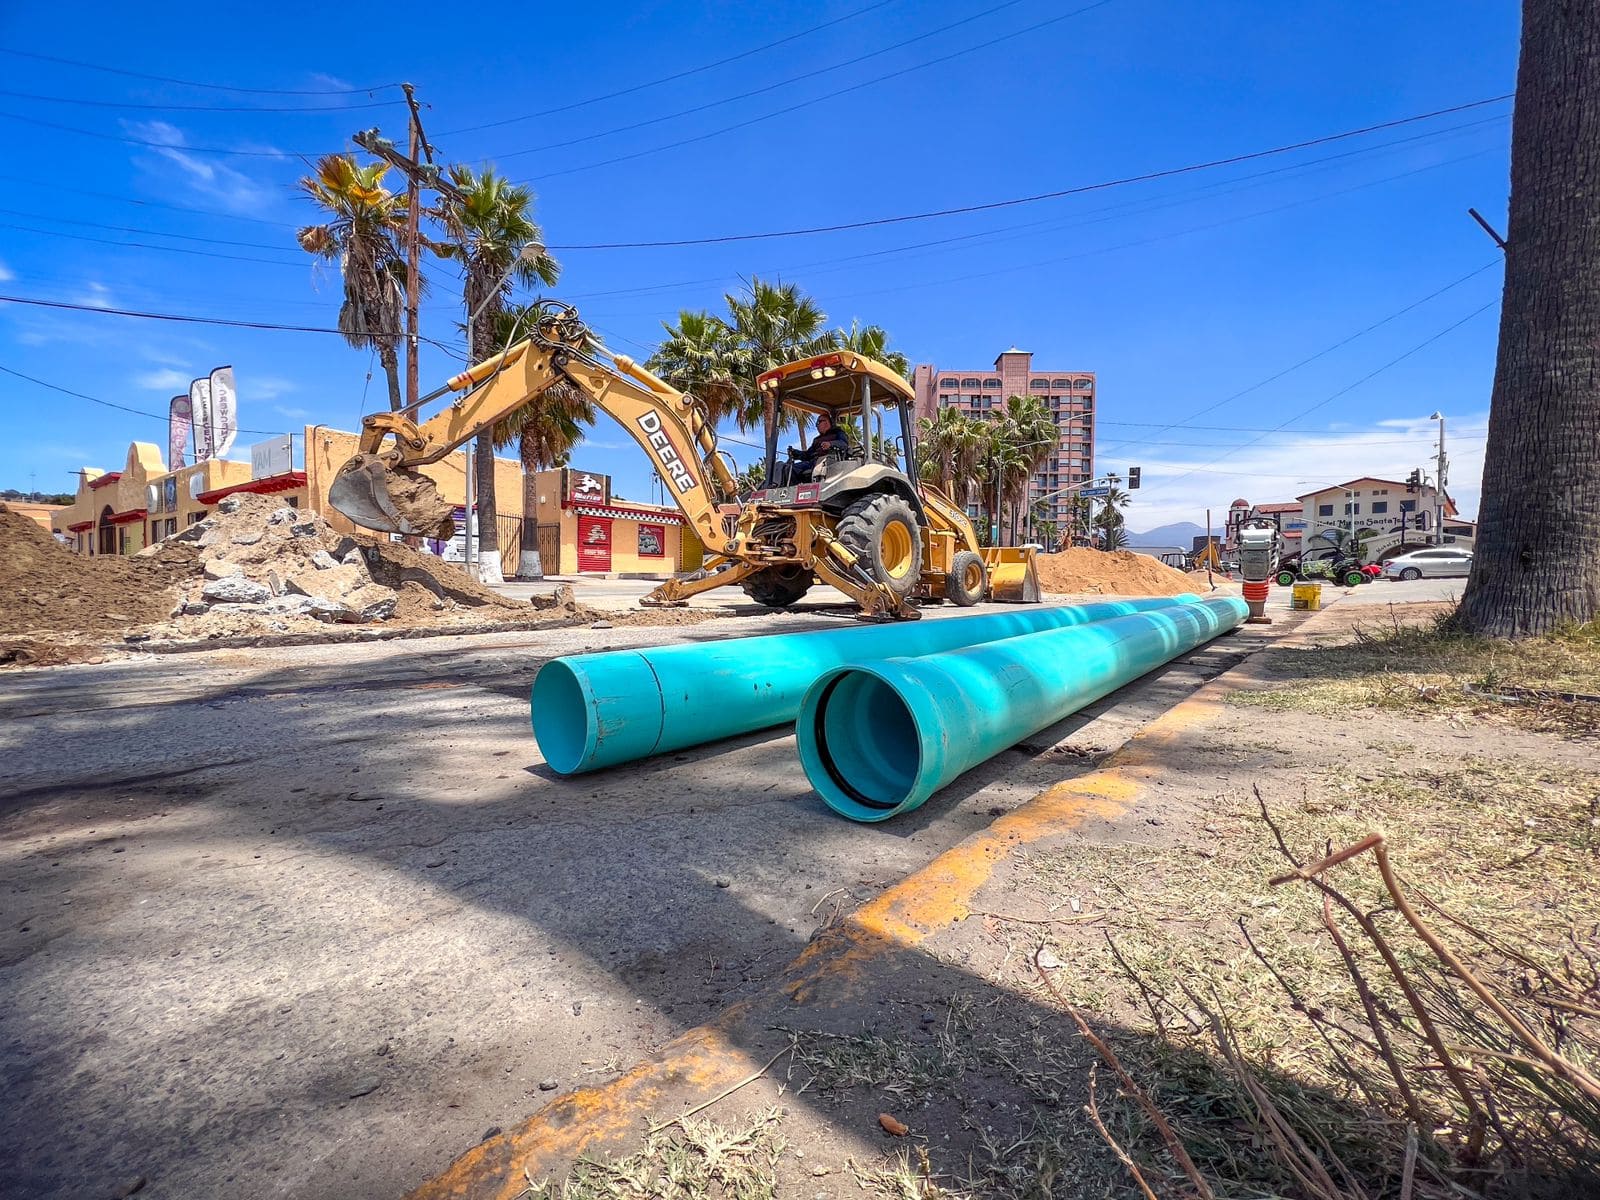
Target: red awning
257, 487
102, 481
129, 517
80, 527
625, 512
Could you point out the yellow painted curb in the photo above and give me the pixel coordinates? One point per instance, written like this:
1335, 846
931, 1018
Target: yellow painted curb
900, 918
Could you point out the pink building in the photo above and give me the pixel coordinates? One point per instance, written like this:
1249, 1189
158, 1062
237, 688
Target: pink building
1070, 395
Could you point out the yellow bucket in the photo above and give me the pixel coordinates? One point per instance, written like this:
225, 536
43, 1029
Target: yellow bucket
1307, 596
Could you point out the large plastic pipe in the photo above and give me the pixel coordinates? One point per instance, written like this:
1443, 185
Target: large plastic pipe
598, 710
878, 738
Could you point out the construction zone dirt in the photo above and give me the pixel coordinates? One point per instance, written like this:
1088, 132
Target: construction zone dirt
46, 589
1110, 573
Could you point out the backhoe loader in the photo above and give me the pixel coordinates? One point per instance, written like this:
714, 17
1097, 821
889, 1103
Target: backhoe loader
851, 518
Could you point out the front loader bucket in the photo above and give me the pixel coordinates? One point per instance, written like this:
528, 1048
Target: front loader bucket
394, 499
1013, 574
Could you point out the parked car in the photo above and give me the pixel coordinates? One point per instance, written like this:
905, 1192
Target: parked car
1438, 563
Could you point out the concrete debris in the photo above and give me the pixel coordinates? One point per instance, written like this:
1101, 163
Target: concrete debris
219, 568
234, 589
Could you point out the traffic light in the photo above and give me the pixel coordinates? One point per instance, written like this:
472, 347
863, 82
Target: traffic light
1414, 480
1133, 478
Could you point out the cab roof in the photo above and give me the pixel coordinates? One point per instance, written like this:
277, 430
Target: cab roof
830, 382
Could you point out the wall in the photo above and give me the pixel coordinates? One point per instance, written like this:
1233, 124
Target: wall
130, 493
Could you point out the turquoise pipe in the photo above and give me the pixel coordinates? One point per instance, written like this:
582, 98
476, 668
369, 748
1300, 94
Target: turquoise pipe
598, 710
878, 738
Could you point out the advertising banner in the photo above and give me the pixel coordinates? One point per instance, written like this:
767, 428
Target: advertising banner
594, 543
179, 427
584, 487
200, 415
652, 541
224, 412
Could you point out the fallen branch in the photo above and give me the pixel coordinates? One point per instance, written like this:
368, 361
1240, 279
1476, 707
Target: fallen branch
1093, 1109
721, 1096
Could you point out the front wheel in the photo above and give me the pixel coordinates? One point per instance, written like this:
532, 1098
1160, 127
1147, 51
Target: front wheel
1353, 579
777, 587
882, 532
967, 580
1411, 573
1285, 578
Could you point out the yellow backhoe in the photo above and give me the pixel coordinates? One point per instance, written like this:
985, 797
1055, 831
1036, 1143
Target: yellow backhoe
851, 517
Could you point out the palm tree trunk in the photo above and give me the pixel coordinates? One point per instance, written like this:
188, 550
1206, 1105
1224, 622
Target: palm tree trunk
391, 370
1536, 566
488, 515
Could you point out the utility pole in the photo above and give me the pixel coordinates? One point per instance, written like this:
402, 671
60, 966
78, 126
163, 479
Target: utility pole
413, 246
1438, 487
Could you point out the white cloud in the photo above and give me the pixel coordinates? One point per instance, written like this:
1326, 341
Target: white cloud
96, 295
6, 273
164, 380
331, 83
216, 181
266, 387
294, 414
1179, 485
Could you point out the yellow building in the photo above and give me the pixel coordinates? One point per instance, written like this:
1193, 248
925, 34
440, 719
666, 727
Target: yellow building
577, 527
35, 511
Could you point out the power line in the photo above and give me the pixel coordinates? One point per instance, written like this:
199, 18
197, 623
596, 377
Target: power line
793, 108
793, 79
1344, 391
186, 237
84, 237
138, 412
52, 186
227, 108
1103, 185
180, 147
684, 74
186, 319
215, 87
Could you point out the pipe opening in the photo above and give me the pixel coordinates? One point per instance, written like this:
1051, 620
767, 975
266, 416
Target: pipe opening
867, 741
560, 717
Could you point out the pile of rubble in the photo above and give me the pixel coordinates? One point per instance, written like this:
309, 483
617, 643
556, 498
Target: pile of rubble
261, 563
1110, 573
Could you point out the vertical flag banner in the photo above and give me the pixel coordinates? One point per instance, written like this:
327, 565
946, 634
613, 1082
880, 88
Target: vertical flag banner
224, 411
200, 413
178, 426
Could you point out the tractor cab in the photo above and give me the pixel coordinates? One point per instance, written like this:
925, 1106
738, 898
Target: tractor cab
868, 404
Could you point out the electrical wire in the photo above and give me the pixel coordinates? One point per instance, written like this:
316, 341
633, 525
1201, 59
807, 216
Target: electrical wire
226, 322
215, 87
684, 74
53, 187
793, 108
227, 108
1323, 403
788, 82
138, 412
1080, 189
183, 148
17, 212
84, 237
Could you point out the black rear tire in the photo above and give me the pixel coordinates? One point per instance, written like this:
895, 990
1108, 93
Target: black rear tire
882, 532
1353, 579
1286, 578
777, 587
967, 581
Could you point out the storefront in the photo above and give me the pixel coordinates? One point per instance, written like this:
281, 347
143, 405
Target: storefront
583, 530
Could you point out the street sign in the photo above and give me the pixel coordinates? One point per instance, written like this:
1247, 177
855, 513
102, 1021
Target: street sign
1095, 491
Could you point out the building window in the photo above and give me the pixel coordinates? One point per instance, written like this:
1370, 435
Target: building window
1324, 510
1061, 385
1352, 510
1038, 385
991, 385
1408, 506
1083, 385
950, 383
1380, 506
196, 517
971, 383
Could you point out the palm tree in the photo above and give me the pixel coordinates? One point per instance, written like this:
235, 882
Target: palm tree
1031, 430
771, 324
365, 221
1080, 512
488, 223
872, 341
694, 358
1046, 531
1109, 519
750, 479
1536, 562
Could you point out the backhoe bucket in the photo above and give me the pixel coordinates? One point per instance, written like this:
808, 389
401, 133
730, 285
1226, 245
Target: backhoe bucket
1013, 574
394, 499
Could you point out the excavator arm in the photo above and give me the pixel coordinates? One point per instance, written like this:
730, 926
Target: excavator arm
383, 489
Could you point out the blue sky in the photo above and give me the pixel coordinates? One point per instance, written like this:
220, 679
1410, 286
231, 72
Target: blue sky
1180, 293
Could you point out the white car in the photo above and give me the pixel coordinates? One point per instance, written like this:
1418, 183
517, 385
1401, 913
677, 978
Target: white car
1438, 563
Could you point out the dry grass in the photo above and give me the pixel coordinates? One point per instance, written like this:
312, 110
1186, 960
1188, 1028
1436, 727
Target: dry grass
1428, 668
908, 1068
690, 1160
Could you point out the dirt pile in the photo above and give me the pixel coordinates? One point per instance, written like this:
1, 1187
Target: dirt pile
265, 567
46, 588
1110, 573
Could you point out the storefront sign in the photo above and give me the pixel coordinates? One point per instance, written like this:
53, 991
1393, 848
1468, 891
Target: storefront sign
584, 487
652, 541
275, 456
594, 543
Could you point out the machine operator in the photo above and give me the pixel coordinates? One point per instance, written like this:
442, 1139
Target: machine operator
829, 438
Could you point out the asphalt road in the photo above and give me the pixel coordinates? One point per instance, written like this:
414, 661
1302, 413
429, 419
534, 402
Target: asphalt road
310, 922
